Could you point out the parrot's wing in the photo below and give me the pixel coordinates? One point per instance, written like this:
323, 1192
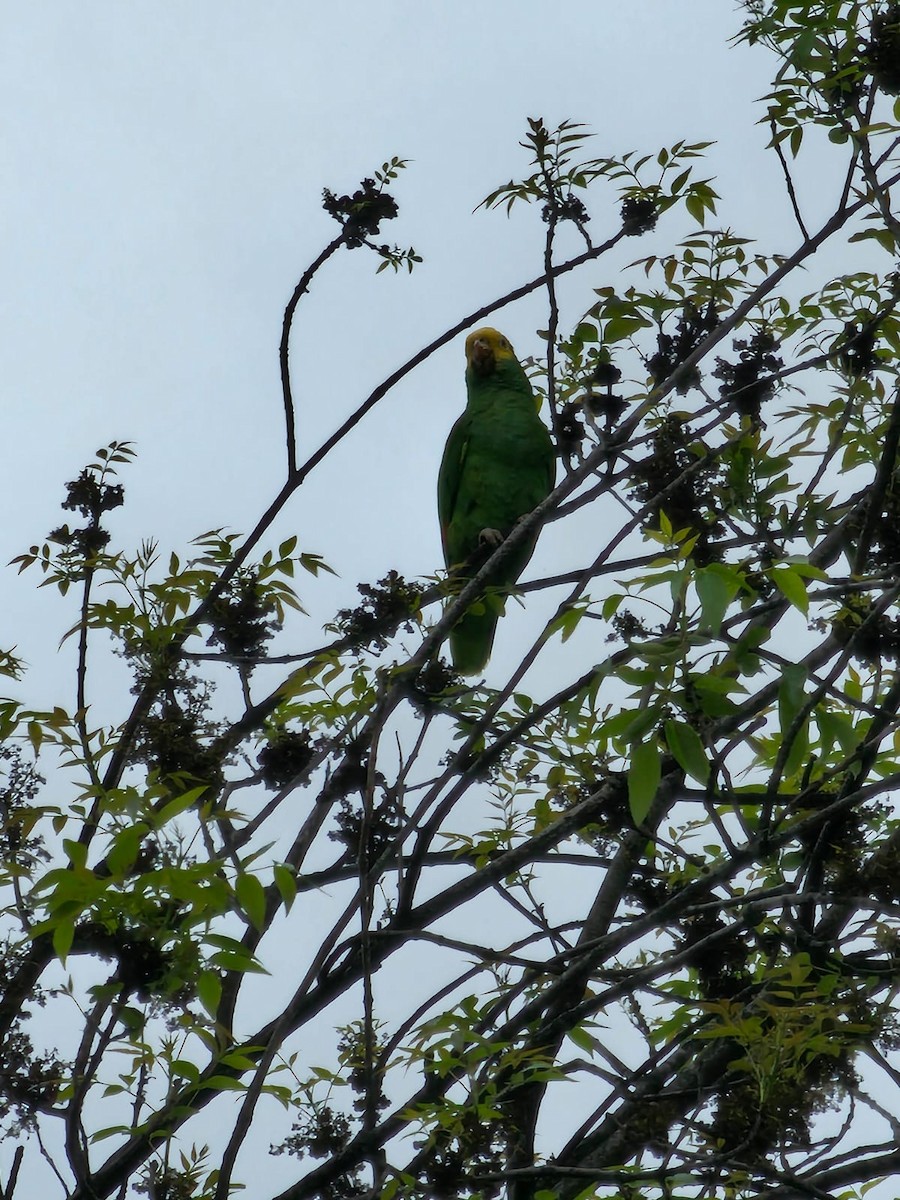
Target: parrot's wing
449, 478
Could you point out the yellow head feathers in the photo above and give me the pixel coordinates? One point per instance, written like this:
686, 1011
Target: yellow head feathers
485, 348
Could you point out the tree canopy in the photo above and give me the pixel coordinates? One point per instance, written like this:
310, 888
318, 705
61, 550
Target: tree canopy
625, 930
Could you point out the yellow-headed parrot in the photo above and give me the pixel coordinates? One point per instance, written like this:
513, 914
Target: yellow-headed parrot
498, 465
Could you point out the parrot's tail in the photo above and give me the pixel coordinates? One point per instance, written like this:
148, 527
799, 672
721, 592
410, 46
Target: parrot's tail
472, 637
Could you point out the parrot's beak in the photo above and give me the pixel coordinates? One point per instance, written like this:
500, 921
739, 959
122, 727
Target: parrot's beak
482, 356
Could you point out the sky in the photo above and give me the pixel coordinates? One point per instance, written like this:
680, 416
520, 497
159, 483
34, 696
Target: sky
161, 186
161, 193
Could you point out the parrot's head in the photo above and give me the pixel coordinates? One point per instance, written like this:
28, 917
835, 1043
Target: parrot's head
486, 349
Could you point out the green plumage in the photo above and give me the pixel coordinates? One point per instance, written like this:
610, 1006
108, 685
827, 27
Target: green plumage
498, 465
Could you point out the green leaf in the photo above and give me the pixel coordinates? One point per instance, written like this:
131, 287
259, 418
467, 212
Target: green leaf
711, 692
585, 1041
717, 585
791, 585
179, 805
286, 882
185, 1069
223, 1083
611, 605
631, 724
695, 206
63, 936
568, 620
209, 991
644, 774
680, 180
791, 698
241, 961
836, 726
127, 843
619, 328
685, 744
110, 1131
238, 1059
791, 693
251, 896
806, 570
76, 852
636, 676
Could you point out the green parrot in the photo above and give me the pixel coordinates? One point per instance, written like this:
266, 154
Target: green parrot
498, 465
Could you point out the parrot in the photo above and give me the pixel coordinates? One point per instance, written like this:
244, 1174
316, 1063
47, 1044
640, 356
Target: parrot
498, 465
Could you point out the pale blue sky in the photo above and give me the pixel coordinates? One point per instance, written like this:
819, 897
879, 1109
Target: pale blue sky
160, 187
161, 192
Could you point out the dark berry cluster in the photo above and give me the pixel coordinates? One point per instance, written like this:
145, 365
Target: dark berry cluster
242, 618
758, 1126
669, 480
88, 496
19, 845
165, 1183
29, 1081
171, 738
380, 828
351, 775
385, 605
285, 757
628, 627
324, 1133
871, 637
84, 543
362, 213
884, 543
638, 215
883, 51
321, 1134
880, 875
357, 1058
857, 352
142, 964
605, 374
721, 964
568, 427
604, 404
431, 684
749, 381
694, 325
569, 209
455, 1154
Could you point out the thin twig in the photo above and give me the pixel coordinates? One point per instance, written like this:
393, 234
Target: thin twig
299, 291
788, 180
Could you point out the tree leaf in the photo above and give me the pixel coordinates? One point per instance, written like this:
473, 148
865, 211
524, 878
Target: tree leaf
790, 583
251, 896
209, 991
717, 585
688, 750
644, 774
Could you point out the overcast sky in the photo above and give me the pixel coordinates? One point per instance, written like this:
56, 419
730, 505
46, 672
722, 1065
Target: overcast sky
163, 166
161, 193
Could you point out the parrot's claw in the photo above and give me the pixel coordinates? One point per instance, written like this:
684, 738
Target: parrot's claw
490, 537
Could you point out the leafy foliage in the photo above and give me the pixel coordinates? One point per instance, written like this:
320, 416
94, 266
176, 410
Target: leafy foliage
669, 881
